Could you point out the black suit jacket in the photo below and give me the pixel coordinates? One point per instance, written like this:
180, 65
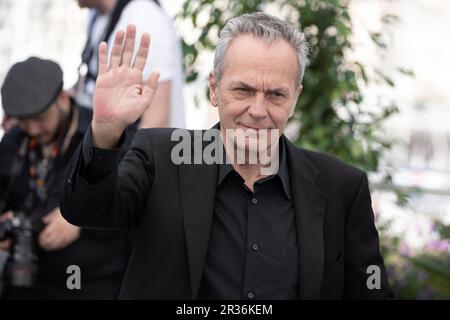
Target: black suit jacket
171, 207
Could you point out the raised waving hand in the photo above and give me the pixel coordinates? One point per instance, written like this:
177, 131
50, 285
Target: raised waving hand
120, 96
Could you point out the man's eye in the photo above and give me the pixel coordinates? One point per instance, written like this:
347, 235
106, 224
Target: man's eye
241, 89
276, 95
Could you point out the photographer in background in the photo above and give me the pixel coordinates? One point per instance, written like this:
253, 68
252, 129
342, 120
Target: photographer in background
33, 157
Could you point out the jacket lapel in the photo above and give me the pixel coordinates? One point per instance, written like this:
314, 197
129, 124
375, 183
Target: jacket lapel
309, 207
198, 190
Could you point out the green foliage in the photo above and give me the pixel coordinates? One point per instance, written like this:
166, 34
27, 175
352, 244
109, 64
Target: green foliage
443, 230
329, 110
417, 274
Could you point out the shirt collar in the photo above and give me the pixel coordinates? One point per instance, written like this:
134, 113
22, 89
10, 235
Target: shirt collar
283, 171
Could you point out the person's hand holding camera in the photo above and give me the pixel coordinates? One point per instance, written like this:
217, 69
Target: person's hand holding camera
58, 233
6, 244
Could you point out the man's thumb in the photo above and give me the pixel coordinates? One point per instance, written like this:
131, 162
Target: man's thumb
152, 81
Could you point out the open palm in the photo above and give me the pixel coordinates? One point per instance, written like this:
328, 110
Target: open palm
120, 96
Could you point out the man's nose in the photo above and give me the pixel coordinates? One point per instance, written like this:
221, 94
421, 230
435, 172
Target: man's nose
257, 108
31, 128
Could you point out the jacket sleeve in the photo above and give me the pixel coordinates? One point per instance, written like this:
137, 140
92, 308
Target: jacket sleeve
3, 177
8, 149
100, 192
365, 272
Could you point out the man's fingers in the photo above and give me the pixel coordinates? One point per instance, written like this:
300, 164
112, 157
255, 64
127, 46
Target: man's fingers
150, 86
50, 216
47, 244
152, 81
46, 219
48, 231
142, 53
43, 243
47, 240
43, 236
102, 57
128, 47
116, 51
5, 244
8, 215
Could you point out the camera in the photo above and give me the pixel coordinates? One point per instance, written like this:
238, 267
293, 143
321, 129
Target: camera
22, 266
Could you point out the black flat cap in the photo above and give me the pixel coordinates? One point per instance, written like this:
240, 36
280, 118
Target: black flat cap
30, 87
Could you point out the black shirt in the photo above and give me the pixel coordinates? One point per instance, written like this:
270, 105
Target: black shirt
252, 251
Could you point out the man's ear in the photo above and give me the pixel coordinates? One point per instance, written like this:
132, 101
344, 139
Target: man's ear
63, 96
212, 89
297, 93
64, 100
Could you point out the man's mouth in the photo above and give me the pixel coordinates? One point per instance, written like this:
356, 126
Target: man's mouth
250, 127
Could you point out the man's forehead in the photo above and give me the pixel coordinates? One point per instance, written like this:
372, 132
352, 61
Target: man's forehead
250, 44
250, 54
254, 84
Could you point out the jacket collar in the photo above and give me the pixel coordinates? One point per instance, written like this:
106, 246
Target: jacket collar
309, 207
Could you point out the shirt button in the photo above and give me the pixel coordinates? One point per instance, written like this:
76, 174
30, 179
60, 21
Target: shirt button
251, 295
255, 247
254, 201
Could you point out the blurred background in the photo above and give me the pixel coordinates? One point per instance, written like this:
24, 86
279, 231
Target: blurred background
376, 95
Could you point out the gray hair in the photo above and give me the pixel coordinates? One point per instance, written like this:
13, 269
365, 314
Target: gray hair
262, 26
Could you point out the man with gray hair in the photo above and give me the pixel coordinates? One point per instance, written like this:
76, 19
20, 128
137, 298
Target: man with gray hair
211, 222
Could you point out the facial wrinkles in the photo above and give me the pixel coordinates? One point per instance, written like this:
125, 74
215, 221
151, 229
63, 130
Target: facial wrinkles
266, 85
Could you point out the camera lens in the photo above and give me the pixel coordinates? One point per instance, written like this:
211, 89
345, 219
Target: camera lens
22, 266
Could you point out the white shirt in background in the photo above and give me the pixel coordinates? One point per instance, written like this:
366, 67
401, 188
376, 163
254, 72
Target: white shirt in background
164, 54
